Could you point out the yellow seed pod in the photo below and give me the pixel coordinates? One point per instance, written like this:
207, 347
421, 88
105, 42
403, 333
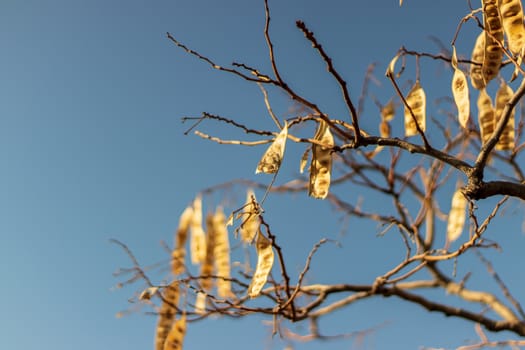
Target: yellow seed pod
250, 219
416, 99
208, 263
493, 54
166, 314
264, 265
272, 158
512, 17
179, 252
175, 337
476, 75
503, 96
200, 303
485, 116
198, 237
456, 216
222, 255
388, 111
321, 164
460, 91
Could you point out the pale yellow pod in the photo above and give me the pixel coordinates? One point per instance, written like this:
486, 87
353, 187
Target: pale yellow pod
460, 92
416, 99
200, 303
476, 75
166, 314
506, 140
388, 111
493, 54
198, 237
175, 337
265, 259
512, 17
179, 252
222, 255
272, 158
485, 116
456, 216
250, 219
321, 164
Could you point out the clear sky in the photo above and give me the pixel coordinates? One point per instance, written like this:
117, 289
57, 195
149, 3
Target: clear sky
92, 148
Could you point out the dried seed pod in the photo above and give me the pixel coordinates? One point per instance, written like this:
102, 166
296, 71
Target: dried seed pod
264, 265
493, 53
503, 96
178, 254
198, 237
512, 17
250, 218
175, 337
304, 159
476, 75
416, 99
388, 111
222, 255
272, 158
460, 91
456, 216
200, 303
166, 314
208, 263
485, 116
321, 164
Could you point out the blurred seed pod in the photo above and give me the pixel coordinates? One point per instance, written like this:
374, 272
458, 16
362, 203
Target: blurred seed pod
503, 96
456, 216
485, 116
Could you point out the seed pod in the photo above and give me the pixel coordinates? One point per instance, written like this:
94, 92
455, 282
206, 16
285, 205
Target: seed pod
485, 116
200, 303
272, 158
476, 75
493, 38
503, 96
176, 335
456, 216
304, 159
198, 237
207, 264
416, 99
321, 164
264, 265
222, 255
388, 111
460, 91
250, 219
166, 314
512, 17
178, 254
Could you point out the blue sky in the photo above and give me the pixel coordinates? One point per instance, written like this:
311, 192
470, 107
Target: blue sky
92, 148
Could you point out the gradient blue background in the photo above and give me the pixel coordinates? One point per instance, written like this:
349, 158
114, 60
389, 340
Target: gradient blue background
92, 148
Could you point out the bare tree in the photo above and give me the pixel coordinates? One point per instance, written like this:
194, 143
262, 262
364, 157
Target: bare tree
436, 171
